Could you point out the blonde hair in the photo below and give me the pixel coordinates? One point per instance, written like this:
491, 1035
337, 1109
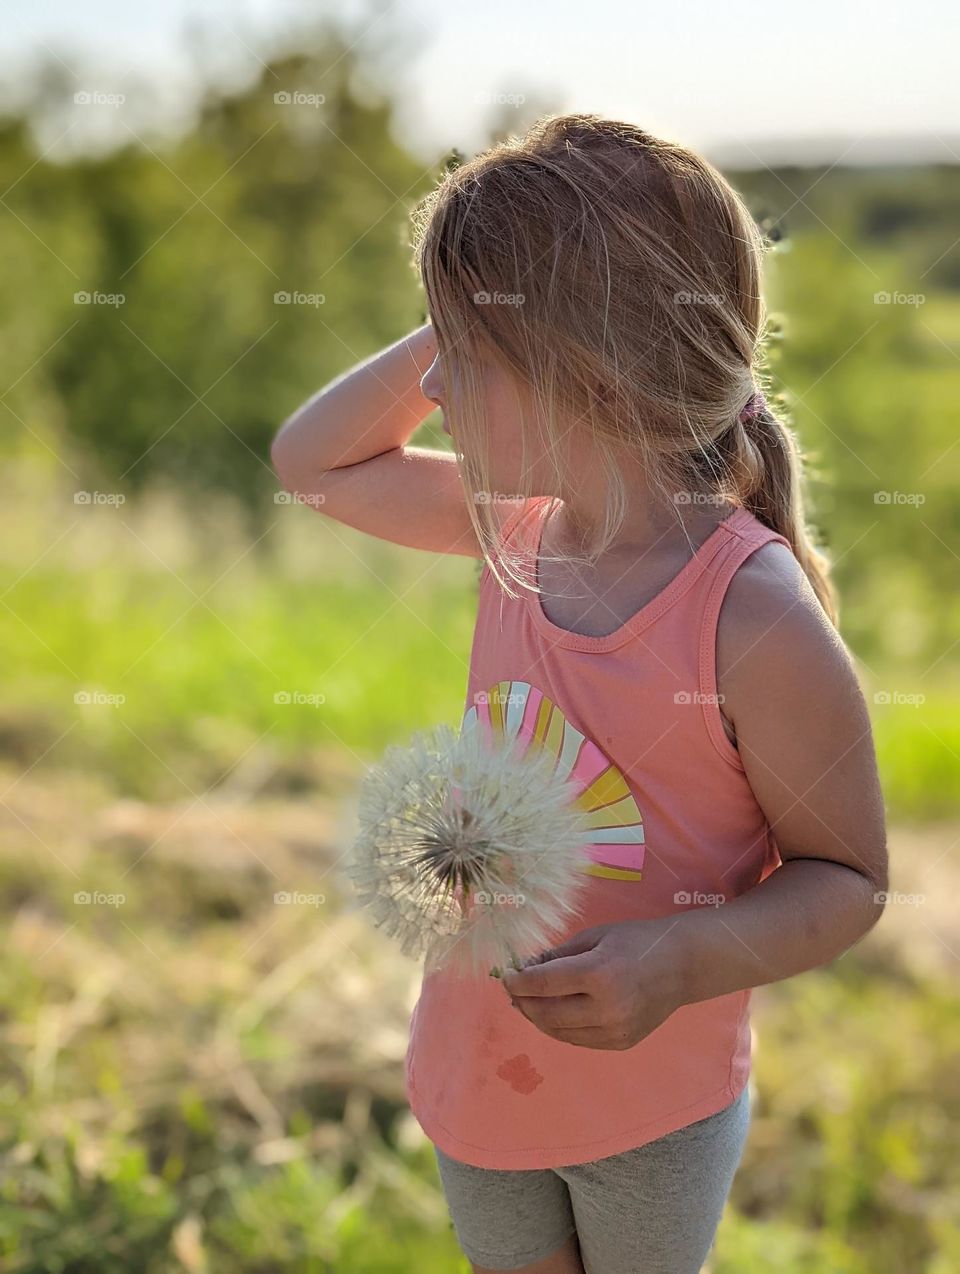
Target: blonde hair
617, 277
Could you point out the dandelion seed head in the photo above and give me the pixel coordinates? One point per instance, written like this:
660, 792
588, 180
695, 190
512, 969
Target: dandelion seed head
471, 849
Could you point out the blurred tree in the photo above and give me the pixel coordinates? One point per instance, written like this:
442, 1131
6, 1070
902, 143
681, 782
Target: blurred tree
182, 300
170, 301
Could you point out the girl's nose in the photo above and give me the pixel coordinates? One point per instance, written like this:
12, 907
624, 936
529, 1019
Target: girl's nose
431, 386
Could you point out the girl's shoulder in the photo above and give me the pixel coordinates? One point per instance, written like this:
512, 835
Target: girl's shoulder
783, 669
789, 685
770, 617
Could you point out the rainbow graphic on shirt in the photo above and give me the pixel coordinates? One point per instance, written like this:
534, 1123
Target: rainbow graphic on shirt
517, 712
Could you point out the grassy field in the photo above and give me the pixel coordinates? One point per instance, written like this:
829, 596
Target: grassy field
201, 1043
161, 640
198, 1077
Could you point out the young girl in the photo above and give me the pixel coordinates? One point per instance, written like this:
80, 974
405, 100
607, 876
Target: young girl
651, 608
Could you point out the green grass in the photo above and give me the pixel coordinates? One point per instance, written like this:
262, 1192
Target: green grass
918, 754
172, 1083
182, 649
166, 1102
168, 607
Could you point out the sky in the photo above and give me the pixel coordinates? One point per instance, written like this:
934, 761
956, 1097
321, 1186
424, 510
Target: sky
828, 78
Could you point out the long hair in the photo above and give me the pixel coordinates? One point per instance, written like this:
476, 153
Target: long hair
617, 276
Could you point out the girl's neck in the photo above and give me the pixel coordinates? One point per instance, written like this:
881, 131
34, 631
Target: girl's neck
648, 520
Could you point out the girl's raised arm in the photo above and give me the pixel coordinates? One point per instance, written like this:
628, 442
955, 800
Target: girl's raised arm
344, 452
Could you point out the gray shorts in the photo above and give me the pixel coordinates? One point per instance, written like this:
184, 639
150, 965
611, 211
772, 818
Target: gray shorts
654, 1209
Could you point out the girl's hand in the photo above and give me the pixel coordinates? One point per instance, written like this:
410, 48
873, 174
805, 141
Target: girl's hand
607, 987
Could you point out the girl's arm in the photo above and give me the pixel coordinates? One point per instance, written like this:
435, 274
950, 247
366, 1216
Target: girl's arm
343, 452
804, 737
371, 409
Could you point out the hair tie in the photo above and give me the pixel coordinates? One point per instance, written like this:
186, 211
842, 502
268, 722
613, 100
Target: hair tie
754, 405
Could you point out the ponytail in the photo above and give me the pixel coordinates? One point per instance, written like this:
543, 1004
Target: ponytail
768, 484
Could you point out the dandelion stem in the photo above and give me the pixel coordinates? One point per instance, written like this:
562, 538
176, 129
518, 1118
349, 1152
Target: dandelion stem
497, 972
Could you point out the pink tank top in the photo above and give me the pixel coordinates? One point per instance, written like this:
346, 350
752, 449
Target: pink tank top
633, 717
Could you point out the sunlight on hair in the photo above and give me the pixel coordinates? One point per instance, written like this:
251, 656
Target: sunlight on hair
616, 277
